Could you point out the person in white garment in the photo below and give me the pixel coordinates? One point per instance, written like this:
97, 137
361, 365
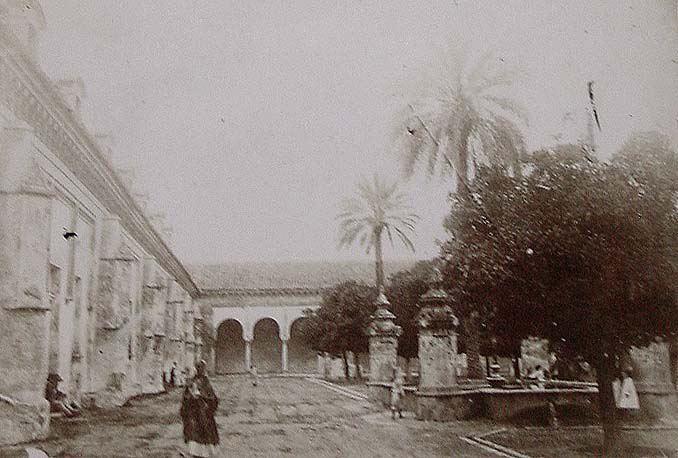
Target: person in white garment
625, 394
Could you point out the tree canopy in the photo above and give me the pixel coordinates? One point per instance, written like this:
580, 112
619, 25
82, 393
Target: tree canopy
339, 325
578, 251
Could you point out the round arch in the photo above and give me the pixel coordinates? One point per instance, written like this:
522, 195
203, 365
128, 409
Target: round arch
230, 348
267, 346
301, 357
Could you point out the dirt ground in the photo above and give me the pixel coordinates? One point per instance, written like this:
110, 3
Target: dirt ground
587, 442
280, 417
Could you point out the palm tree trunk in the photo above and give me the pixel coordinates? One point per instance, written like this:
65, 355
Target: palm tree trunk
379, 258
462, 166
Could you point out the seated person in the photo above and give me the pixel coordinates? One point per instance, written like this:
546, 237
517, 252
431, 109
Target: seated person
58, 401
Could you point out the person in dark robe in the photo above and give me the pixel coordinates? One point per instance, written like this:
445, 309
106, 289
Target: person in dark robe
198, 407
58, 401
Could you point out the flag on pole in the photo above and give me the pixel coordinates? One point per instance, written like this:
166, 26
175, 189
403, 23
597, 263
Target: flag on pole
593, 104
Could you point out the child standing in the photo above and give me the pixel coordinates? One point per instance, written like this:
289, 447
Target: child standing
397, 392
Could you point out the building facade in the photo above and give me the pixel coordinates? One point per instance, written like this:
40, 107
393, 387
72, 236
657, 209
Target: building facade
89, 290
257, 308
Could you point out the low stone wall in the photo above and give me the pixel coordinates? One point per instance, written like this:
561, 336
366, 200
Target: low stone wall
448, 405
476, 400
500, 404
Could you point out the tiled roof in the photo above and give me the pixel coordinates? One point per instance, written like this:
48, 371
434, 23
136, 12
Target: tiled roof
308, 275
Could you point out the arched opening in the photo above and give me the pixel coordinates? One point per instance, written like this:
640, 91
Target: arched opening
301, 358
230, 349
266, 346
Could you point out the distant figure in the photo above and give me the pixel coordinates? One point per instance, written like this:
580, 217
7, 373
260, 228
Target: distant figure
58, 401
554, 367
254, 375
173, 375
625, 394
198, 406
397, 392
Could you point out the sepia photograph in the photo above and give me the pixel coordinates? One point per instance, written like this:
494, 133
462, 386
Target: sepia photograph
360, 228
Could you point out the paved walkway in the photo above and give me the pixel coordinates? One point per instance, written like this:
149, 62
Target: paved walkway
280, 417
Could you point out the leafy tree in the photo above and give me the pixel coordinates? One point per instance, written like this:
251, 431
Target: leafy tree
404, 291
378, 208
338, 326
576, 251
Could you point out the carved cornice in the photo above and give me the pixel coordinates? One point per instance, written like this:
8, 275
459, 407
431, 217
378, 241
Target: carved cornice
261, 292
31, 96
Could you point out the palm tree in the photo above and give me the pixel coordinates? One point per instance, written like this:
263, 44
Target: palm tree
465, 124
377, 208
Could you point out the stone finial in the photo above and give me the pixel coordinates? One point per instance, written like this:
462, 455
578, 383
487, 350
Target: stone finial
435, 311
382, 300
382, 321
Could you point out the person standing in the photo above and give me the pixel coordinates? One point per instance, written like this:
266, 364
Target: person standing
625, 394
254, 375
397, 392
198, 407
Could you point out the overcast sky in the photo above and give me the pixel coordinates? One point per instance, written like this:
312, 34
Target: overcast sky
248, 121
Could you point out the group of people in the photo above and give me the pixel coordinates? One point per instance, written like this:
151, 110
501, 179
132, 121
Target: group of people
199, 402
174, 377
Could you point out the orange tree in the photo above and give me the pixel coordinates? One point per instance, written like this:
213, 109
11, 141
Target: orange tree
576, 251
338, 326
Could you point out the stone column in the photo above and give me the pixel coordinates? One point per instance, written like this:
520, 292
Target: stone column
651, 372
24, 308
111, 385
383, 334
248, 354
173, 318
284, 355
151, 338
198, 323
189, 356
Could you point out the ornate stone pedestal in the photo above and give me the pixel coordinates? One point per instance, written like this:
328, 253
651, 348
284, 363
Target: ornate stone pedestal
383, 334
438, 396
